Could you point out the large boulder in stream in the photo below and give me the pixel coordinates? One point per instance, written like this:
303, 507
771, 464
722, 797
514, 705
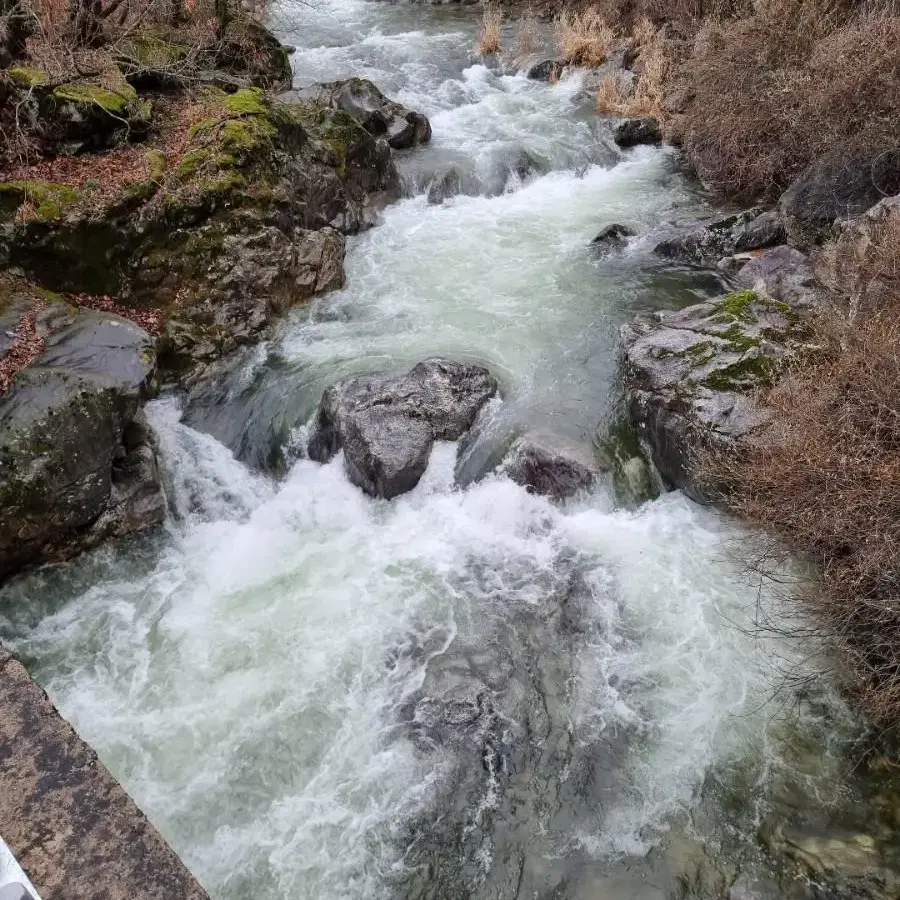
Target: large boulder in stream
705, 243
632, 132
387, 425
834, 190
77, 457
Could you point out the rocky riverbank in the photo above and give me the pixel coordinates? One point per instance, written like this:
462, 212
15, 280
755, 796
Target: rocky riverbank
210, 214
695, 379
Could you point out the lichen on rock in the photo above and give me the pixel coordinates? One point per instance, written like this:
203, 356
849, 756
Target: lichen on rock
692, 376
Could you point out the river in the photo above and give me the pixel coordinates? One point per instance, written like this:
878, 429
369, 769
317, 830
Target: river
466, 692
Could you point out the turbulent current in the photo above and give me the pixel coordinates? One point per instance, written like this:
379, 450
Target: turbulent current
466, 691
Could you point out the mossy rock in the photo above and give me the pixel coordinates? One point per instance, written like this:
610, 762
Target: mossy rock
28, 77
250, 49
49, 199
83, 115
749, 373
147, 51
246, 102
736, 307
227, 152
115, 102
156, 164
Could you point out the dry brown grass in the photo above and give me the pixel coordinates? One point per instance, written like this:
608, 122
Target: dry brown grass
488, 40
585, 38
527, 33
825, 476
645, 96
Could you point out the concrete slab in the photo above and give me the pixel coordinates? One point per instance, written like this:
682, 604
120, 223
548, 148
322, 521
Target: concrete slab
73, 829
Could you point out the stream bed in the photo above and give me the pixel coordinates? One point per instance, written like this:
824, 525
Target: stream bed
466, 692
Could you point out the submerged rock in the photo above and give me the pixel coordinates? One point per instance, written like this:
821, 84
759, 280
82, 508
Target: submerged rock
611, 238
631, 132
545, 69
248, 402
77, 458
543, 469
381, 117
444, 187
387, 425
691, 376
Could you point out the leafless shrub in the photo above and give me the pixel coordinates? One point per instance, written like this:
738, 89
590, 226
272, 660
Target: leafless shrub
488, 40
645, 95
771, 93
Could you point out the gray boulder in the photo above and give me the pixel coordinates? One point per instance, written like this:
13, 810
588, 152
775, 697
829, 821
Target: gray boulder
691, 376
387, 425
381, 117
77, 458
833, 190
543, 469
611, 238
631, 132
853, 265
245, 285
706, 244
785, 275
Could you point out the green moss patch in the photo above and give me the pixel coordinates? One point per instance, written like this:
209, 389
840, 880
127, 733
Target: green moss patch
156, 164
246, 102
28, 77
114, 102
150, 51
49, 198
745, 374
735, 307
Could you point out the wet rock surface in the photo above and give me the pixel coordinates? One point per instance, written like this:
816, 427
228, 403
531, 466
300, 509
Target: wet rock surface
611, 238
705, 244
444, 187
541, 467
691, 375
77, 458
73, 829
387, 425
632, 132
401, 127
247, 402
491, 715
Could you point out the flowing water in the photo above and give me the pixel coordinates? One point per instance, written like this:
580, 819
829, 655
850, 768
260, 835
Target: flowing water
467, 691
